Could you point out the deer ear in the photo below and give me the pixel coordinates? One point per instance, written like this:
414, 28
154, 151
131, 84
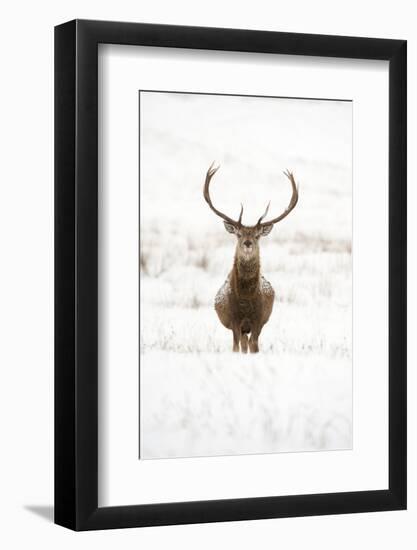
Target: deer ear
266, 229
230, 227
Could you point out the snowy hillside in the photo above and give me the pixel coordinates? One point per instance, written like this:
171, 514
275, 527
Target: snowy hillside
197, 397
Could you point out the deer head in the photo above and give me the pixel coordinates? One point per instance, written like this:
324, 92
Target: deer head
248, 236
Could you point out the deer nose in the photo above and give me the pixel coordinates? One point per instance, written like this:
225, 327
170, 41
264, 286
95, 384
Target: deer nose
247, 244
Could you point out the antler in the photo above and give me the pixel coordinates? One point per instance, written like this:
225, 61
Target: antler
293, 202
210, 173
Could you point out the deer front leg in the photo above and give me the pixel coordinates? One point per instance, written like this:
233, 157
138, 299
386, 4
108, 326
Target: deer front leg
253, 342
244, 343
236, 339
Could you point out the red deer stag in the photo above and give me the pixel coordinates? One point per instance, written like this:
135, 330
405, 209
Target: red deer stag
244, 302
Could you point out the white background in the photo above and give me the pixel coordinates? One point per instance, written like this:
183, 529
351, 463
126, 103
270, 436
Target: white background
122, 478
26, 398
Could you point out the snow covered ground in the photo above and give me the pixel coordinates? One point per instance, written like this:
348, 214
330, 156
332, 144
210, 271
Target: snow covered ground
197, 398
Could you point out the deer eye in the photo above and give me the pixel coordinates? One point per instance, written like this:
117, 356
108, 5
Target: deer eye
239, 235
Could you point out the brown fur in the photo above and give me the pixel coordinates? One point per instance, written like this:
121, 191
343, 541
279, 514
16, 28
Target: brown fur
244, 303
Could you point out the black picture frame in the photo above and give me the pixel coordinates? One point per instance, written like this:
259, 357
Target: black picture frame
76, 272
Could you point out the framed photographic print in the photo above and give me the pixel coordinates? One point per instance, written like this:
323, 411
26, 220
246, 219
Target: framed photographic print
230, 252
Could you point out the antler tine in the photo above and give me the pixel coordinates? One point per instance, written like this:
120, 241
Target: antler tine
264, 214
239, 221
292, 204
210, 173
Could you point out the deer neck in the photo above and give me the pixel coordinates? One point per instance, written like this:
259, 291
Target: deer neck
246, 273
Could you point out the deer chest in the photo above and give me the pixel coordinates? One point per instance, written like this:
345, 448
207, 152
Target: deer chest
247, 306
